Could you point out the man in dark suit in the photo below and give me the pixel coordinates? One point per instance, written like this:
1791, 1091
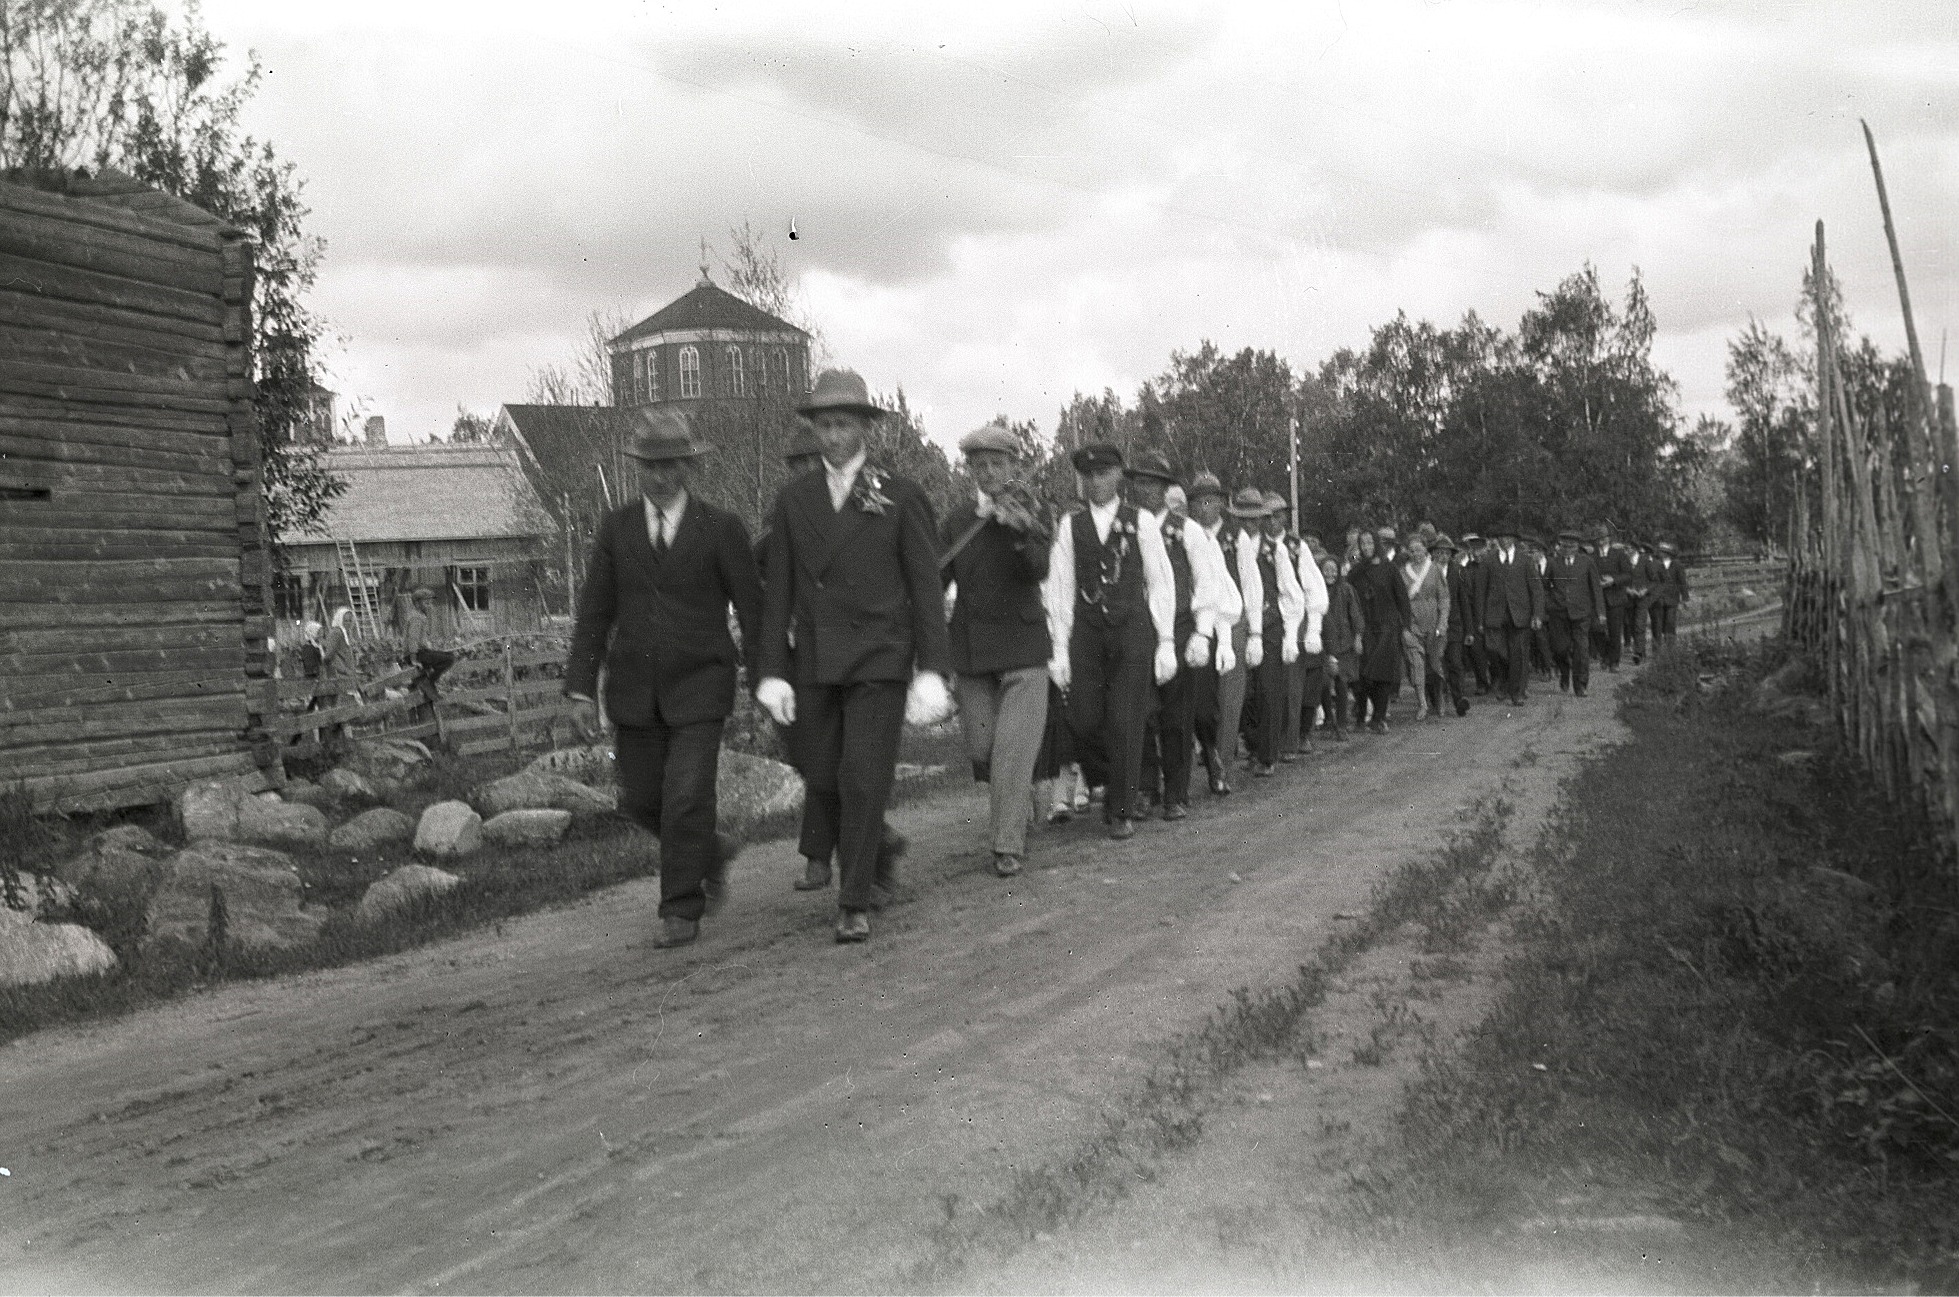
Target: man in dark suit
1513, 608
1619, 571
664, 571
1475, 571
855, 565
1667, 586
996, 556
1576, 605
1461, 629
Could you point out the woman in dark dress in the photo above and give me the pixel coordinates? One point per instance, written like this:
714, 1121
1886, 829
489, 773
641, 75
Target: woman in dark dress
1385, 611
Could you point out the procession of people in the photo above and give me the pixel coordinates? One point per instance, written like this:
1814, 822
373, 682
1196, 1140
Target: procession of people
1101, 652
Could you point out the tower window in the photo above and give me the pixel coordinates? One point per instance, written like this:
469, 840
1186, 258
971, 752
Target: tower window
737, 376
690, 371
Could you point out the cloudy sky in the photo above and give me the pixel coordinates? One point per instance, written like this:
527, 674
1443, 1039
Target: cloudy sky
1000, 204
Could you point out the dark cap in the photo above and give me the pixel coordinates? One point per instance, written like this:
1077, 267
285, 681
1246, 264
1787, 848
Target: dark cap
1570, 535
1153, 463
1207, 484
1095, 456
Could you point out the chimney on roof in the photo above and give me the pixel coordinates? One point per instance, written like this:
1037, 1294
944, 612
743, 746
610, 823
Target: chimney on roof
376, 432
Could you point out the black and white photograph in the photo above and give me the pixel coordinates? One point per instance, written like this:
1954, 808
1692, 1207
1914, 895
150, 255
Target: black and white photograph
1109, 646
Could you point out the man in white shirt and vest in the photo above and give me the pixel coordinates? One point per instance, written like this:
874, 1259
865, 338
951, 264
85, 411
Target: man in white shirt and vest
1111, 604
1217, 735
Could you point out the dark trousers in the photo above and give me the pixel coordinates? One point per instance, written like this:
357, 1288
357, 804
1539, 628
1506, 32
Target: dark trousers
1571, 648
1312, 685
1108, 703
1167, 738
847, 741
431, 663
1453, 654
1206, 691
666, 779
1515, 642
1267, 703
1615, 635
1540, 650
1333, 697
1662, 621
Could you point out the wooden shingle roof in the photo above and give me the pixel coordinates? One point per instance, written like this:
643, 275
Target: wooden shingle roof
431, 492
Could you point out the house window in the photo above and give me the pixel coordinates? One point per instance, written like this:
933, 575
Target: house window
737, 378
652, 355
690, 371
473, 588
639, 378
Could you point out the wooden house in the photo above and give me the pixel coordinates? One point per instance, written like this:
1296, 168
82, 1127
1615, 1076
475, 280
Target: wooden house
462, 520
133, 564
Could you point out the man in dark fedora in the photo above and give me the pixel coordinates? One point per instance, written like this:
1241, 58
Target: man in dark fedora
1513, 609
855, 566
1667, 581
995, 559
1111, 600
664, 571
1575, 606
1220, 685
1205, 598
1619, 572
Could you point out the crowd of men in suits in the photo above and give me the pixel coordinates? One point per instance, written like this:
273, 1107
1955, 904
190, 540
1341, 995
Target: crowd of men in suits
1157, 625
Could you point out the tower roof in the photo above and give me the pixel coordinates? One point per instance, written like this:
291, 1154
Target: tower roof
707, 306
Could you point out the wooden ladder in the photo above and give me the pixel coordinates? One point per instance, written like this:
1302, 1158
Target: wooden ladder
360, 598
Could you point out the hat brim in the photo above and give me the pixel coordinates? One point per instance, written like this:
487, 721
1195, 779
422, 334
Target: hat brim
848, 407
662, 455
1152, 473
1237, 512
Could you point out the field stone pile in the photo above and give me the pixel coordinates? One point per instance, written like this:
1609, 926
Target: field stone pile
401, 888
371, 829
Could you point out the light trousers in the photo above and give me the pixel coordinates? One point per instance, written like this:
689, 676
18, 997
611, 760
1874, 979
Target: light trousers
1004, 716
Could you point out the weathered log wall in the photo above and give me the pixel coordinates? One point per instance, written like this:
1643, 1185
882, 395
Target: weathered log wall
133, 564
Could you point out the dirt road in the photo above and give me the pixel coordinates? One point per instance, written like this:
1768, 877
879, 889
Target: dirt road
554, 1106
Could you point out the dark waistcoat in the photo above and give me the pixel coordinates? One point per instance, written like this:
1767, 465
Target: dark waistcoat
1173, 544
1109, 577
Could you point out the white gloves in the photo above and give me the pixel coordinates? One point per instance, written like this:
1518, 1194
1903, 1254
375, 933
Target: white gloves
1058, 671
1255, 652
1227, 661
1289, 650
1313, 644
1197, 651
1166, 661
927, 702
778, 699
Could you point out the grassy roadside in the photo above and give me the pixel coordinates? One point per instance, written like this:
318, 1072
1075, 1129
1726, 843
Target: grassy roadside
1455, 890
497, 884
1728, 1011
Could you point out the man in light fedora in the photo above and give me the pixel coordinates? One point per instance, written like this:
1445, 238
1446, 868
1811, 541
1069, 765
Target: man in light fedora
855, 566
1272, 642
995, 559
1111, 601
664, 571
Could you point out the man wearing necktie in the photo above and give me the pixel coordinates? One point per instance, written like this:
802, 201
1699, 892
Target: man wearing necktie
1513, 608
855, 566
1576, 604
664, 571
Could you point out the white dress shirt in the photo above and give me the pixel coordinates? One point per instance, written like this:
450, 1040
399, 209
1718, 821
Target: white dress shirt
1292, 599
1213, 597
1159, 581
840, 480
1314, 595
664, 524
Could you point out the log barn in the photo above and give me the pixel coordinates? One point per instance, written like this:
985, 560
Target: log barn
133, 563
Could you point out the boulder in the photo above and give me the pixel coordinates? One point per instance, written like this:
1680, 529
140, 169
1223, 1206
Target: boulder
281, 824
342, 782
590, 765
527, 827
261, 890
401, 888
117, 866
751, 787
539, 790
207, 810
449, 829
40, 952
39, 897
391, 760
371, 829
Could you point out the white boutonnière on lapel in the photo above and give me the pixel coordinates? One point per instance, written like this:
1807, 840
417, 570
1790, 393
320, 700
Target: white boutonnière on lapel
868, 493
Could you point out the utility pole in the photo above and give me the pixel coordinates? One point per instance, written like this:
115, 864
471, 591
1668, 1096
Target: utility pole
1292, 455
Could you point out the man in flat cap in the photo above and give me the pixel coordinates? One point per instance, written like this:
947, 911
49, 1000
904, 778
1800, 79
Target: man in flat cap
855, 566
1574, 607
1513, 609
1205, 598
1111, 600
995, 559
663, 574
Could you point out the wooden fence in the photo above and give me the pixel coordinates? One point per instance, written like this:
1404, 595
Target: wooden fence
510, 698
1874, 583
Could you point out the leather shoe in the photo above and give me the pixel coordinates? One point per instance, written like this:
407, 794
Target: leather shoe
1005, 864
1261, 771
1122, 830
1462, 706
676, 931
853, 925
1175, 812
816, 875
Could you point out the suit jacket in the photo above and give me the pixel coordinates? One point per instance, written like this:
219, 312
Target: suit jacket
861, 586
1513, 593
1617, 570
1465, 601
1668, 582
661, 624
1574, 590
999, 622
